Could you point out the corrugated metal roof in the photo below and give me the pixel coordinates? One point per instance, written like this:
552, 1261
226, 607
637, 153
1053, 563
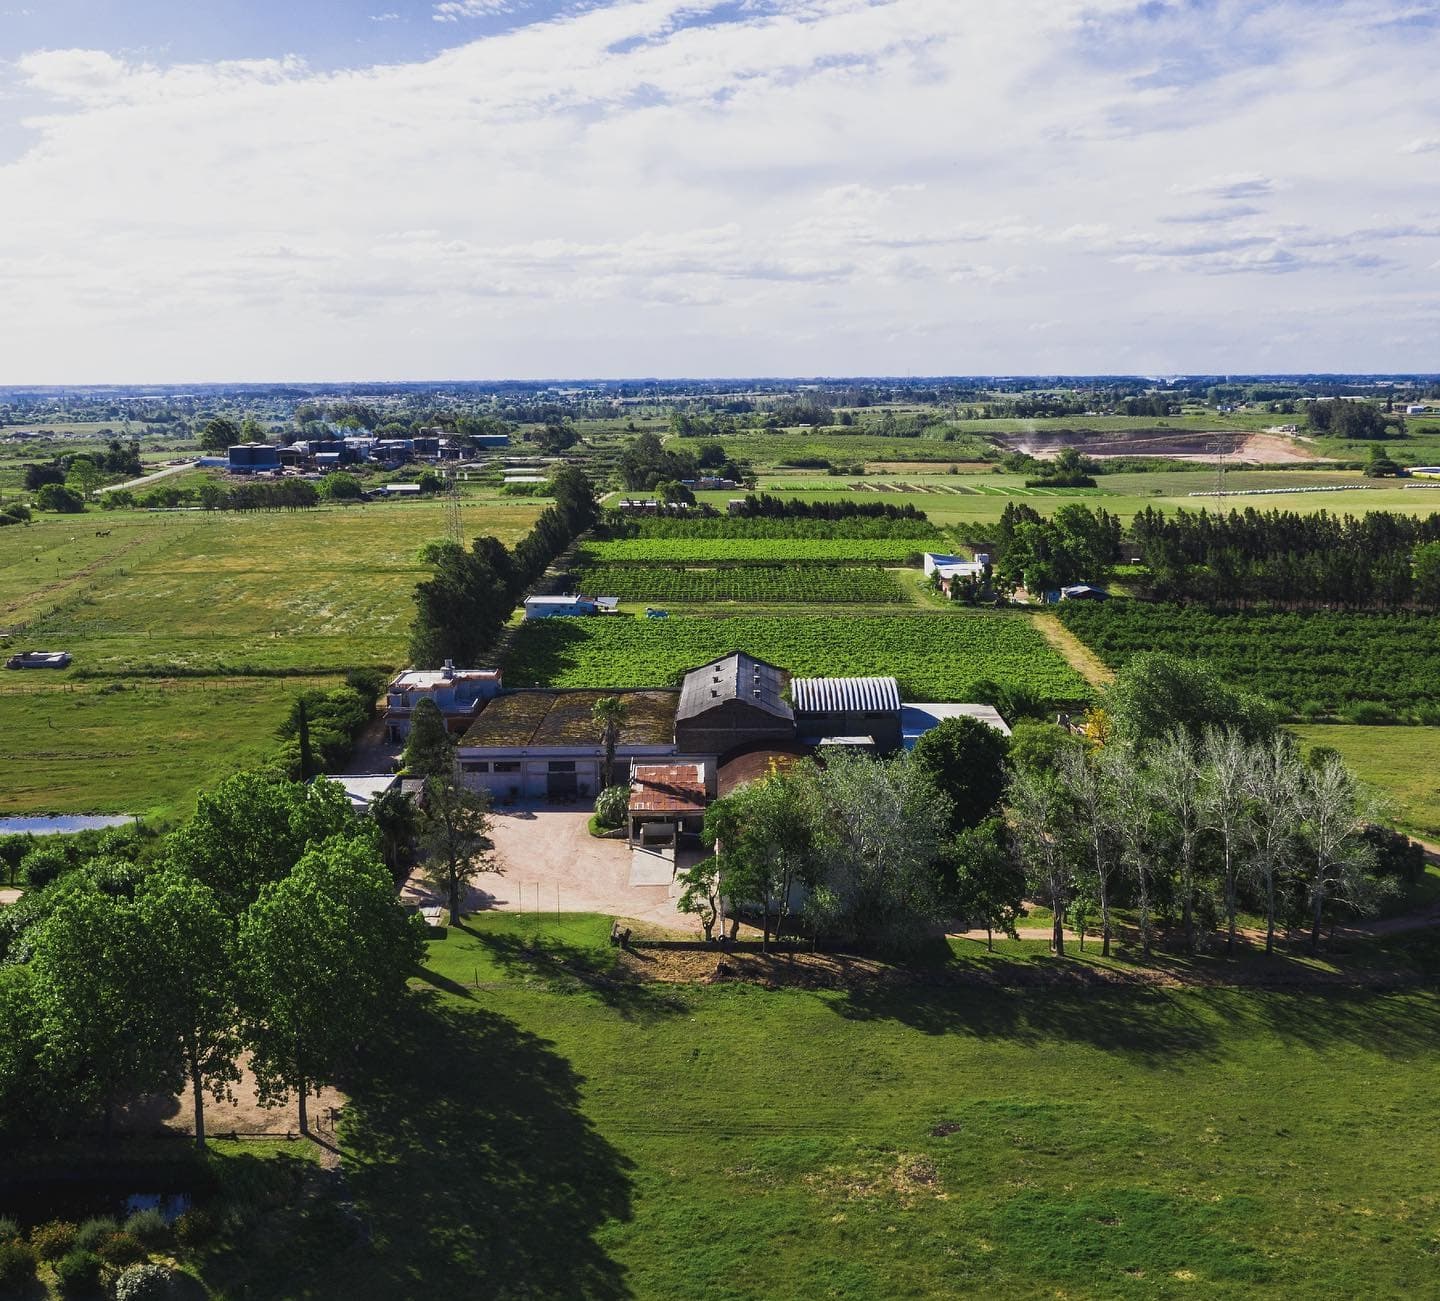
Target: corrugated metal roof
736, 677
844, 695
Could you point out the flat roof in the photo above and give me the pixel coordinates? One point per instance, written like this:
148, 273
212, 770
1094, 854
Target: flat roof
424, 679
536, 719
667, 788
362, 787
916, 720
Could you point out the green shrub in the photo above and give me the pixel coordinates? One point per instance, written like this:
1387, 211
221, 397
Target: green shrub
17, 1266
53, 1239
611, 805
9, 1230
144, 1283
150, 1227
78, 1273
194, 1228
121, 1249
1369, 712
92, 1233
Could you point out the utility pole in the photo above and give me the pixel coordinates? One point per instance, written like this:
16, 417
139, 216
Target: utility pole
1221, 446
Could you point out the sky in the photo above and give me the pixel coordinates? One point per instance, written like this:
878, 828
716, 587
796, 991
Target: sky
251, 190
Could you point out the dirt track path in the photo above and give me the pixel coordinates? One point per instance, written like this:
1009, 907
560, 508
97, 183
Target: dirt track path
1073, 651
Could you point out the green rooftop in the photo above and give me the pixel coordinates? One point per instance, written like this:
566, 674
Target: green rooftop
530, 719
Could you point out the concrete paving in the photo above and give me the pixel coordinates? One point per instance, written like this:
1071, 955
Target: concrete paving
551, 863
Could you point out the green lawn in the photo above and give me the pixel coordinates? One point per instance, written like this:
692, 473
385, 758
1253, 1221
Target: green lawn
1403, 763
554, 1132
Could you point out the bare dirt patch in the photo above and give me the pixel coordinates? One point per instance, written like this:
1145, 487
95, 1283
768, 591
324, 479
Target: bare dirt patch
1073, 651
1255, 449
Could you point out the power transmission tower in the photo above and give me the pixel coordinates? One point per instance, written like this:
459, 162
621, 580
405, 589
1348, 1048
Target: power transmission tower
1222, 446
454, 525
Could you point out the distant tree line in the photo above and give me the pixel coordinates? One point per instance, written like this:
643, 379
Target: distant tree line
1379, 560
470, 597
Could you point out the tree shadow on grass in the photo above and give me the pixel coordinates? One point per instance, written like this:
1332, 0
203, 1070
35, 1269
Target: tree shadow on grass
1145, 1024
472, 1167
469, 1171
1395, 1025
567, 967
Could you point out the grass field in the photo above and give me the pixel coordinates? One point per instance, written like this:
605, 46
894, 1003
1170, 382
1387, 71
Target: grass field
213, 592
215, 595
1402, 762
728, 1141
936, 656
141, 748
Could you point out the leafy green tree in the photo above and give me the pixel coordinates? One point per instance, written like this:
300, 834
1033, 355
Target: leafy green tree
1341, 861
429, 749
764, 835
884, 830
60, 499
100, 1020
989, 882
252, 829
337, 486
701, 895
1156, 692
1425, 563
609, 715
322, 955
1040, 812
398, 821
187, 937
455, 834
964, 759
219, 434
83, 477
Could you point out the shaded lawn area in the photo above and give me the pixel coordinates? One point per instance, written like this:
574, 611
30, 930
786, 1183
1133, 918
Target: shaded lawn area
536, 1127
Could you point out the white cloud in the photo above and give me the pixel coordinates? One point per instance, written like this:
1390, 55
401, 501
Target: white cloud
791, 186
1423, 145
452, 11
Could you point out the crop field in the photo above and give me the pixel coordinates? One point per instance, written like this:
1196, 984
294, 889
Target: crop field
1310, 662
936, 656
141, 748
880, 1143
1403, 763
841, 448
762, 527
749, 551
818, 584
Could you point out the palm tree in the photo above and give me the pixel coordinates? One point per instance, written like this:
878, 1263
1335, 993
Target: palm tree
609, 715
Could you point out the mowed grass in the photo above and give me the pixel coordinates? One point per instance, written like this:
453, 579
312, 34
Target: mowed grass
143, 748
308, 590
555, 1132
939, 655
1403, 763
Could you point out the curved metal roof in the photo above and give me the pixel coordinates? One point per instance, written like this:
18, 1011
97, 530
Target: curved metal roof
844, 695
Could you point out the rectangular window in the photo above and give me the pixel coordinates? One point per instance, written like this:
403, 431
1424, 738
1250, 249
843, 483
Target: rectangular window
507, 767
562, 765
475, 767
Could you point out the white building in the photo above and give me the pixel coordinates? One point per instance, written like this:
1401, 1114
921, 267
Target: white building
459, 694
949, 567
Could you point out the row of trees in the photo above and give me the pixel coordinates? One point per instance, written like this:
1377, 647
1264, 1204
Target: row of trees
267, 926
470, 597
1182, 799
1375, 561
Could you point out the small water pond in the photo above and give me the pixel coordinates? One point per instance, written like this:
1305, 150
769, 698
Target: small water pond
51, 825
